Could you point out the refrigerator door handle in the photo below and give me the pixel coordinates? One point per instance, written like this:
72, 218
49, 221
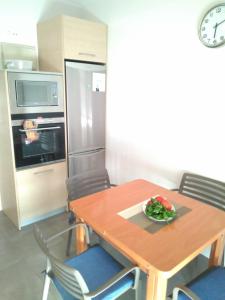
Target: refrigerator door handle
86, 152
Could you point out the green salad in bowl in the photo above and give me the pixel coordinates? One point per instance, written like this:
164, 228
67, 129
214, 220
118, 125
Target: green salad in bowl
159, 209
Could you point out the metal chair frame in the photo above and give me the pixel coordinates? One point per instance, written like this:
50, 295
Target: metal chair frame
70, 278
186, 291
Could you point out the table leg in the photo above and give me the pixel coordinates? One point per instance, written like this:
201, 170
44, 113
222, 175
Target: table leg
216, 253
156, 287
80, 238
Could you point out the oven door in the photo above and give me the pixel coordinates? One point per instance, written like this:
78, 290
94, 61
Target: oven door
44, 144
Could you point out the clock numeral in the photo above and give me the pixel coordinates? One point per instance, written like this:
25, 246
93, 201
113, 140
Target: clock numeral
206, 20
203, 28
211, 14
218, 10
222, 38
204, 36
214, 42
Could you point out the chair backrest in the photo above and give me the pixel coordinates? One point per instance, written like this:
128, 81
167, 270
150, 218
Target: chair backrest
87, 183
69, 278
202, 188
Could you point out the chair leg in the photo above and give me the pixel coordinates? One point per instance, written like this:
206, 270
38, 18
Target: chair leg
136, 293
46, 287
69, 243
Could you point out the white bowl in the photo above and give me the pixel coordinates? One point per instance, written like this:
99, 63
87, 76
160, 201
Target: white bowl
152, 218
18, 64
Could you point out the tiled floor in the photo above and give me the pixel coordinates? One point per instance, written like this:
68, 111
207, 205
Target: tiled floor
21, 261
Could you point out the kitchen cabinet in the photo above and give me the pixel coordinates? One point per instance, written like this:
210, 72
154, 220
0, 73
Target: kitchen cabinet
30, 194
65, 37
41, 191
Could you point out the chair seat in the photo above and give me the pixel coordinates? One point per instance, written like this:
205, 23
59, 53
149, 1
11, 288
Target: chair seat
98, 268
208, 286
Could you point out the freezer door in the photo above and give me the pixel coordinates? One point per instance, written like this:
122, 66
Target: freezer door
85, 89
86, 161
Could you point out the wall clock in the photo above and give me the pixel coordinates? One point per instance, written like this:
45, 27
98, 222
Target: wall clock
212, 28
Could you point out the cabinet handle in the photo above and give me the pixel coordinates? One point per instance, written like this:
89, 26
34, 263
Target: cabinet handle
87, 54
44, 171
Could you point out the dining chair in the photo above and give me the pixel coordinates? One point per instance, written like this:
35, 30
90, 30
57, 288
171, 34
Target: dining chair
208, 286
204, 189
81, 185
94, 274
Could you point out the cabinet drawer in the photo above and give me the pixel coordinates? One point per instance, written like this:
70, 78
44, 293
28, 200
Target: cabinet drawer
41, 190
84, 40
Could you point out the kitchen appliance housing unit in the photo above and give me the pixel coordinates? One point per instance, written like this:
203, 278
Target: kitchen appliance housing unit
86, 104
37, 97
32, 155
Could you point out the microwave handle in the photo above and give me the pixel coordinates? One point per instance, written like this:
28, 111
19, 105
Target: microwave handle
39, 129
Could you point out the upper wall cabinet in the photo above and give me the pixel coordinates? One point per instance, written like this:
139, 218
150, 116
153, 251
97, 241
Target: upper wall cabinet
67, 37
84, 40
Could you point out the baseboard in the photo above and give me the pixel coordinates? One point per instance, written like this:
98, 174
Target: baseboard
43, 217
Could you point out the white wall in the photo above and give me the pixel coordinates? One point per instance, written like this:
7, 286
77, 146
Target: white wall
165, 91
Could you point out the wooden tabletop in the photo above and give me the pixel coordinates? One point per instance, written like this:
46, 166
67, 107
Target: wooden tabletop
167, 250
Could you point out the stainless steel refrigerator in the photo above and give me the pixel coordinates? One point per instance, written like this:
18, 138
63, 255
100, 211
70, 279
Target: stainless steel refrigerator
86, 104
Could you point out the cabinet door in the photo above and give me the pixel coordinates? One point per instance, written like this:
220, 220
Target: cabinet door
41, 190
84, 40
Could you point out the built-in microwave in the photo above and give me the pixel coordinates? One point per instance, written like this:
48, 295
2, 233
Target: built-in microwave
35, 92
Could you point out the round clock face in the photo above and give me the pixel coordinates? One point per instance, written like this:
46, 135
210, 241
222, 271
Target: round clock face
212, 28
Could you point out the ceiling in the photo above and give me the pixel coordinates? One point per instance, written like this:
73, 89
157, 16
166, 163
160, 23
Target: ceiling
18, 19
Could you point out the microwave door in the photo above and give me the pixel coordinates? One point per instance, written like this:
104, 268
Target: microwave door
36, 92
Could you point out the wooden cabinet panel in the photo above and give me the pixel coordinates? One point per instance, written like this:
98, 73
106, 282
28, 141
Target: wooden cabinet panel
41, 190
7, 165
65, 37
50, 45
84, 40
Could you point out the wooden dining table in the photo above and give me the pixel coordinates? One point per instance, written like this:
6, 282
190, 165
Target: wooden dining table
159, 249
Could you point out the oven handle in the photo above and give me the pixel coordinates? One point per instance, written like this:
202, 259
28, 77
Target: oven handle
39, 129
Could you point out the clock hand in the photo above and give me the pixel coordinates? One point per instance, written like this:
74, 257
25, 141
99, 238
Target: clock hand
217, 24
215, 30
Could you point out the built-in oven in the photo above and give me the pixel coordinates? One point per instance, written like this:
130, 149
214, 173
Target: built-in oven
38, 140
35, 92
